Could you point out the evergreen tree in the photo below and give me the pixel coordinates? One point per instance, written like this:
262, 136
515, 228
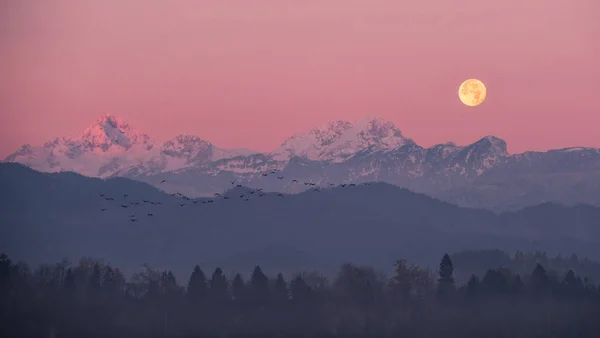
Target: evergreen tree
540, 281
260, 285
299, 290
472, 286
95, 282
446, 278
197, 288
237, 288
218, 286
280, 289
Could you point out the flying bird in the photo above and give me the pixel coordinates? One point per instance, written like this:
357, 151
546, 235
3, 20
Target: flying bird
294, 181
163, 181
125, 196
265, 174
217, 194
102, 209
124, 206
133, 220
150, 215
280, 195
181, 205
280, 177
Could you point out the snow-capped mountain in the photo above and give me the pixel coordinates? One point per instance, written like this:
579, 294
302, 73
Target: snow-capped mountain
337, 141
482, 174
110, 146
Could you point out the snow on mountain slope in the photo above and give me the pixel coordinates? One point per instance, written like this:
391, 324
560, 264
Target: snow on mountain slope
110, 146
338, 141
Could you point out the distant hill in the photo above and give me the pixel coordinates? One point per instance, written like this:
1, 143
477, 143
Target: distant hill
48, 216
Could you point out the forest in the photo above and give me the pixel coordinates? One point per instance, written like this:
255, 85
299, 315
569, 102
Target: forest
95, 299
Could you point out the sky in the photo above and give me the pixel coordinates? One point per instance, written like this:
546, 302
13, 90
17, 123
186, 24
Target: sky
251, 73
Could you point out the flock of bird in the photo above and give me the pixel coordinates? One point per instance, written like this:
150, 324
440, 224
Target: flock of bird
245, 197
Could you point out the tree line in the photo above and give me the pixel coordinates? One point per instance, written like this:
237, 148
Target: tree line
94, 299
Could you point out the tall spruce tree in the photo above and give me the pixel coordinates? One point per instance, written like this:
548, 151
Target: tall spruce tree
260, 285
197, 288
218, 286
446, 278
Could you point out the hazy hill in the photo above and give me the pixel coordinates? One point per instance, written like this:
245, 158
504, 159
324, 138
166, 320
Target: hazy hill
47, 216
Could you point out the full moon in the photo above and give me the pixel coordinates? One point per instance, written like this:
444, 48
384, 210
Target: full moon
471, 92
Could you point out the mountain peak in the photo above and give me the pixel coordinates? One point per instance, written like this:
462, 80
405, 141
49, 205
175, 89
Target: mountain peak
110, 131
496, 145
337, 141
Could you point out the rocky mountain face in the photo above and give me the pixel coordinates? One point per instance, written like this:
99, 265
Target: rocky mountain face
482, 174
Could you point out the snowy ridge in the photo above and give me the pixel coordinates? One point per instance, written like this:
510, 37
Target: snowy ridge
110, 146
337, 141
371, 149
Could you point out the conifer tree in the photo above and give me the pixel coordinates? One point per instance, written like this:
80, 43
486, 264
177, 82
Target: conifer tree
197, 288
446, 278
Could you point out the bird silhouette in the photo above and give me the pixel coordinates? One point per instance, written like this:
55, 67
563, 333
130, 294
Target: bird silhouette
217, 194
150, 215
265, 174
102, 209
280, 195
210, 201
163, 181
232, 182
294, 181
242, 196
124, 206
196, 202
101, 195
280, 177
125, 196
225, 198
331, 184
181, 205
238, 186
133, 220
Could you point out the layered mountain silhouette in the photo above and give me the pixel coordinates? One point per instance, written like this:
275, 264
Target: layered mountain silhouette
48, 216
482, 174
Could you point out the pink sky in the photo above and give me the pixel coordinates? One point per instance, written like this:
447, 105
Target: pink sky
250, 73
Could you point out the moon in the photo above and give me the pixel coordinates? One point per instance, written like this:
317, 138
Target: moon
472, 92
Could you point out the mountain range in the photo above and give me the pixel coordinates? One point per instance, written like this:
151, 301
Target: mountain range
482, 174
50, 216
